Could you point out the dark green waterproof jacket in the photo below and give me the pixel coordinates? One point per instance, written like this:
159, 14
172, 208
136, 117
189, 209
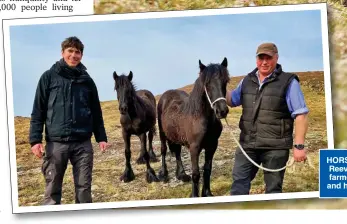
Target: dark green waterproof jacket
67, 104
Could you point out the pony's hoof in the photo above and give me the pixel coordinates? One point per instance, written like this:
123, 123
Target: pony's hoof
194, 195
141, 160
163, 176
184, 177
151, 177
206, 194
127, 176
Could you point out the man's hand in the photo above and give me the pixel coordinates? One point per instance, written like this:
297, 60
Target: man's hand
38, 150
299, 155
103, 146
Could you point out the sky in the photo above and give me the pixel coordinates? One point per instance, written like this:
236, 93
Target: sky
163, 53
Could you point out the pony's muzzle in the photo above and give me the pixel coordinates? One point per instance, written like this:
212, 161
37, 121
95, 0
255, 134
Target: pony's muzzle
123, 109
221, 110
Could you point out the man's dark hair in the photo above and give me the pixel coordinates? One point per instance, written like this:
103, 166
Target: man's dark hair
72, 42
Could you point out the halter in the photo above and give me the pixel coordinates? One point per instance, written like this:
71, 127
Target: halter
209, 100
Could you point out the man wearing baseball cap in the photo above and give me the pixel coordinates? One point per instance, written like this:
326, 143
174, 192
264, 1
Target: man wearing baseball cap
272, 103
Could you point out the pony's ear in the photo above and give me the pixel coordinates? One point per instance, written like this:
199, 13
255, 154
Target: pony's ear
115, 76
202, 66
130, 76
225, 62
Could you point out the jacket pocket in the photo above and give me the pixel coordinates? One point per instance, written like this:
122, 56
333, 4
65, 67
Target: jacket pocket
282, 128
51, 102
47, 167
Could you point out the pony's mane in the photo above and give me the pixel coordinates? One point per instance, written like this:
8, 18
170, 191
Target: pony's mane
124, 82
195, 103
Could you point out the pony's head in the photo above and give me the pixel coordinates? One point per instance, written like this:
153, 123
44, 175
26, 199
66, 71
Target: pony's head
125, 91
214, 78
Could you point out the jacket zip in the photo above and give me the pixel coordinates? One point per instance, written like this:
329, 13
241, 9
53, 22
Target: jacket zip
72, 104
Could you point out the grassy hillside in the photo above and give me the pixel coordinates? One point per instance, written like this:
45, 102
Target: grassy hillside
109, 166
127, 6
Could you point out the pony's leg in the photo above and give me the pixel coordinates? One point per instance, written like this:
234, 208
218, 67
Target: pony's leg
194, 155
150, 176
141, 159
152, 156
209, 153
128, 174
163, 173
180, 172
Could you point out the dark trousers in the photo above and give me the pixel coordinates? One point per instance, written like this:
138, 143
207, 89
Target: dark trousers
244, 171
54, 165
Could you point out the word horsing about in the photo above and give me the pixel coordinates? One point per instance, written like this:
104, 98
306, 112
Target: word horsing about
331, 159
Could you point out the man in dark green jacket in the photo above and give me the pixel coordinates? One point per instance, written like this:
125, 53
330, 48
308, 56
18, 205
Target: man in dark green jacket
67, 104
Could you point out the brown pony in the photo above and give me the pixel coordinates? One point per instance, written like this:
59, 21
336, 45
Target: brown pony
138, 116
193, 121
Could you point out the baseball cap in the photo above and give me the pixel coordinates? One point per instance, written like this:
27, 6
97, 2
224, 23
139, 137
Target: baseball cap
267, 48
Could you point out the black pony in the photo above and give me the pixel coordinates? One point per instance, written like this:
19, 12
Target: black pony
137, 117
193, 121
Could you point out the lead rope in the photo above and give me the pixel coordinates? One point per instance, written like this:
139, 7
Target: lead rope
290, 162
